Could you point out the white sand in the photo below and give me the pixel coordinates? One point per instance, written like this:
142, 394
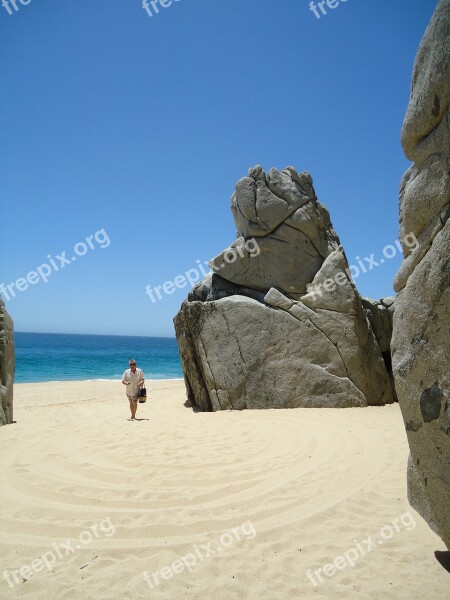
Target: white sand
312, 483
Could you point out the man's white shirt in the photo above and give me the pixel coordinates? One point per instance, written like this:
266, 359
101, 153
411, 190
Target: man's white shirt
133, 379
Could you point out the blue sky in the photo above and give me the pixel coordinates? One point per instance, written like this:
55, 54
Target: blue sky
140, 126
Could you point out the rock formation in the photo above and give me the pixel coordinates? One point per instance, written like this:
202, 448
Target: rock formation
381, 315
292, 228
421, 341
6, 365
280, 324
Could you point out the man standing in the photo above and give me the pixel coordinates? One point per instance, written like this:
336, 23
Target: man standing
133, 378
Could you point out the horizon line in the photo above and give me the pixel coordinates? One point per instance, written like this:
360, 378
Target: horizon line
164, 337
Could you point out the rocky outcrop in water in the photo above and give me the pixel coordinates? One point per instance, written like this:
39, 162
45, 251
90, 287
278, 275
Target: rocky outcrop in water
280, 324
6, 365
421, 340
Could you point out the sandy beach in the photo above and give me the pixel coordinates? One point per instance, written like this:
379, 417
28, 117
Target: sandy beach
302, 503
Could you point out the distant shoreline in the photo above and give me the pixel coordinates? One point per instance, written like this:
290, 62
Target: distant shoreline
86, 380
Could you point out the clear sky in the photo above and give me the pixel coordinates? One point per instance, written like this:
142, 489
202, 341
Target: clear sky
139, 126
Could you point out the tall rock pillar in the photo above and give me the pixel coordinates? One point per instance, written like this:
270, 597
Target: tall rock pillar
421, 340
6, 365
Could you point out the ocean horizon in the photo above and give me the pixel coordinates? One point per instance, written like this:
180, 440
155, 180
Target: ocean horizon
45, 357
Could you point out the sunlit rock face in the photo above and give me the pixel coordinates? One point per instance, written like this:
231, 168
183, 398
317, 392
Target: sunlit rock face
282, 325
421, 340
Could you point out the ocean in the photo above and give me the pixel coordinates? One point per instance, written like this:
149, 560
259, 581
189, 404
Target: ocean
71, 357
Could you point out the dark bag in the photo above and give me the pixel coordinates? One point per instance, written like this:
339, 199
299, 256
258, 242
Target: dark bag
142, 393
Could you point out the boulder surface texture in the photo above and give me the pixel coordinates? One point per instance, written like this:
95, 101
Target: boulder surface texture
282, 325
421, 340
6, 365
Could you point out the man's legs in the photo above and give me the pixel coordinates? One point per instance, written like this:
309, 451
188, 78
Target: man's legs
133, 408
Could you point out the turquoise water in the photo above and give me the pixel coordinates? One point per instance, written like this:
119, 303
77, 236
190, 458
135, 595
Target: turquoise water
64, 357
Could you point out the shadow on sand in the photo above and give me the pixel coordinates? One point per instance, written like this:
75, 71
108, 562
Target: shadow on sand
443, 559
188, 404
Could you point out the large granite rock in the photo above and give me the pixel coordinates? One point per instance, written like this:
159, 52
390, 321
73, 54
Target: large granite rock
283, 327
6, 365
280, 210
421, 340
